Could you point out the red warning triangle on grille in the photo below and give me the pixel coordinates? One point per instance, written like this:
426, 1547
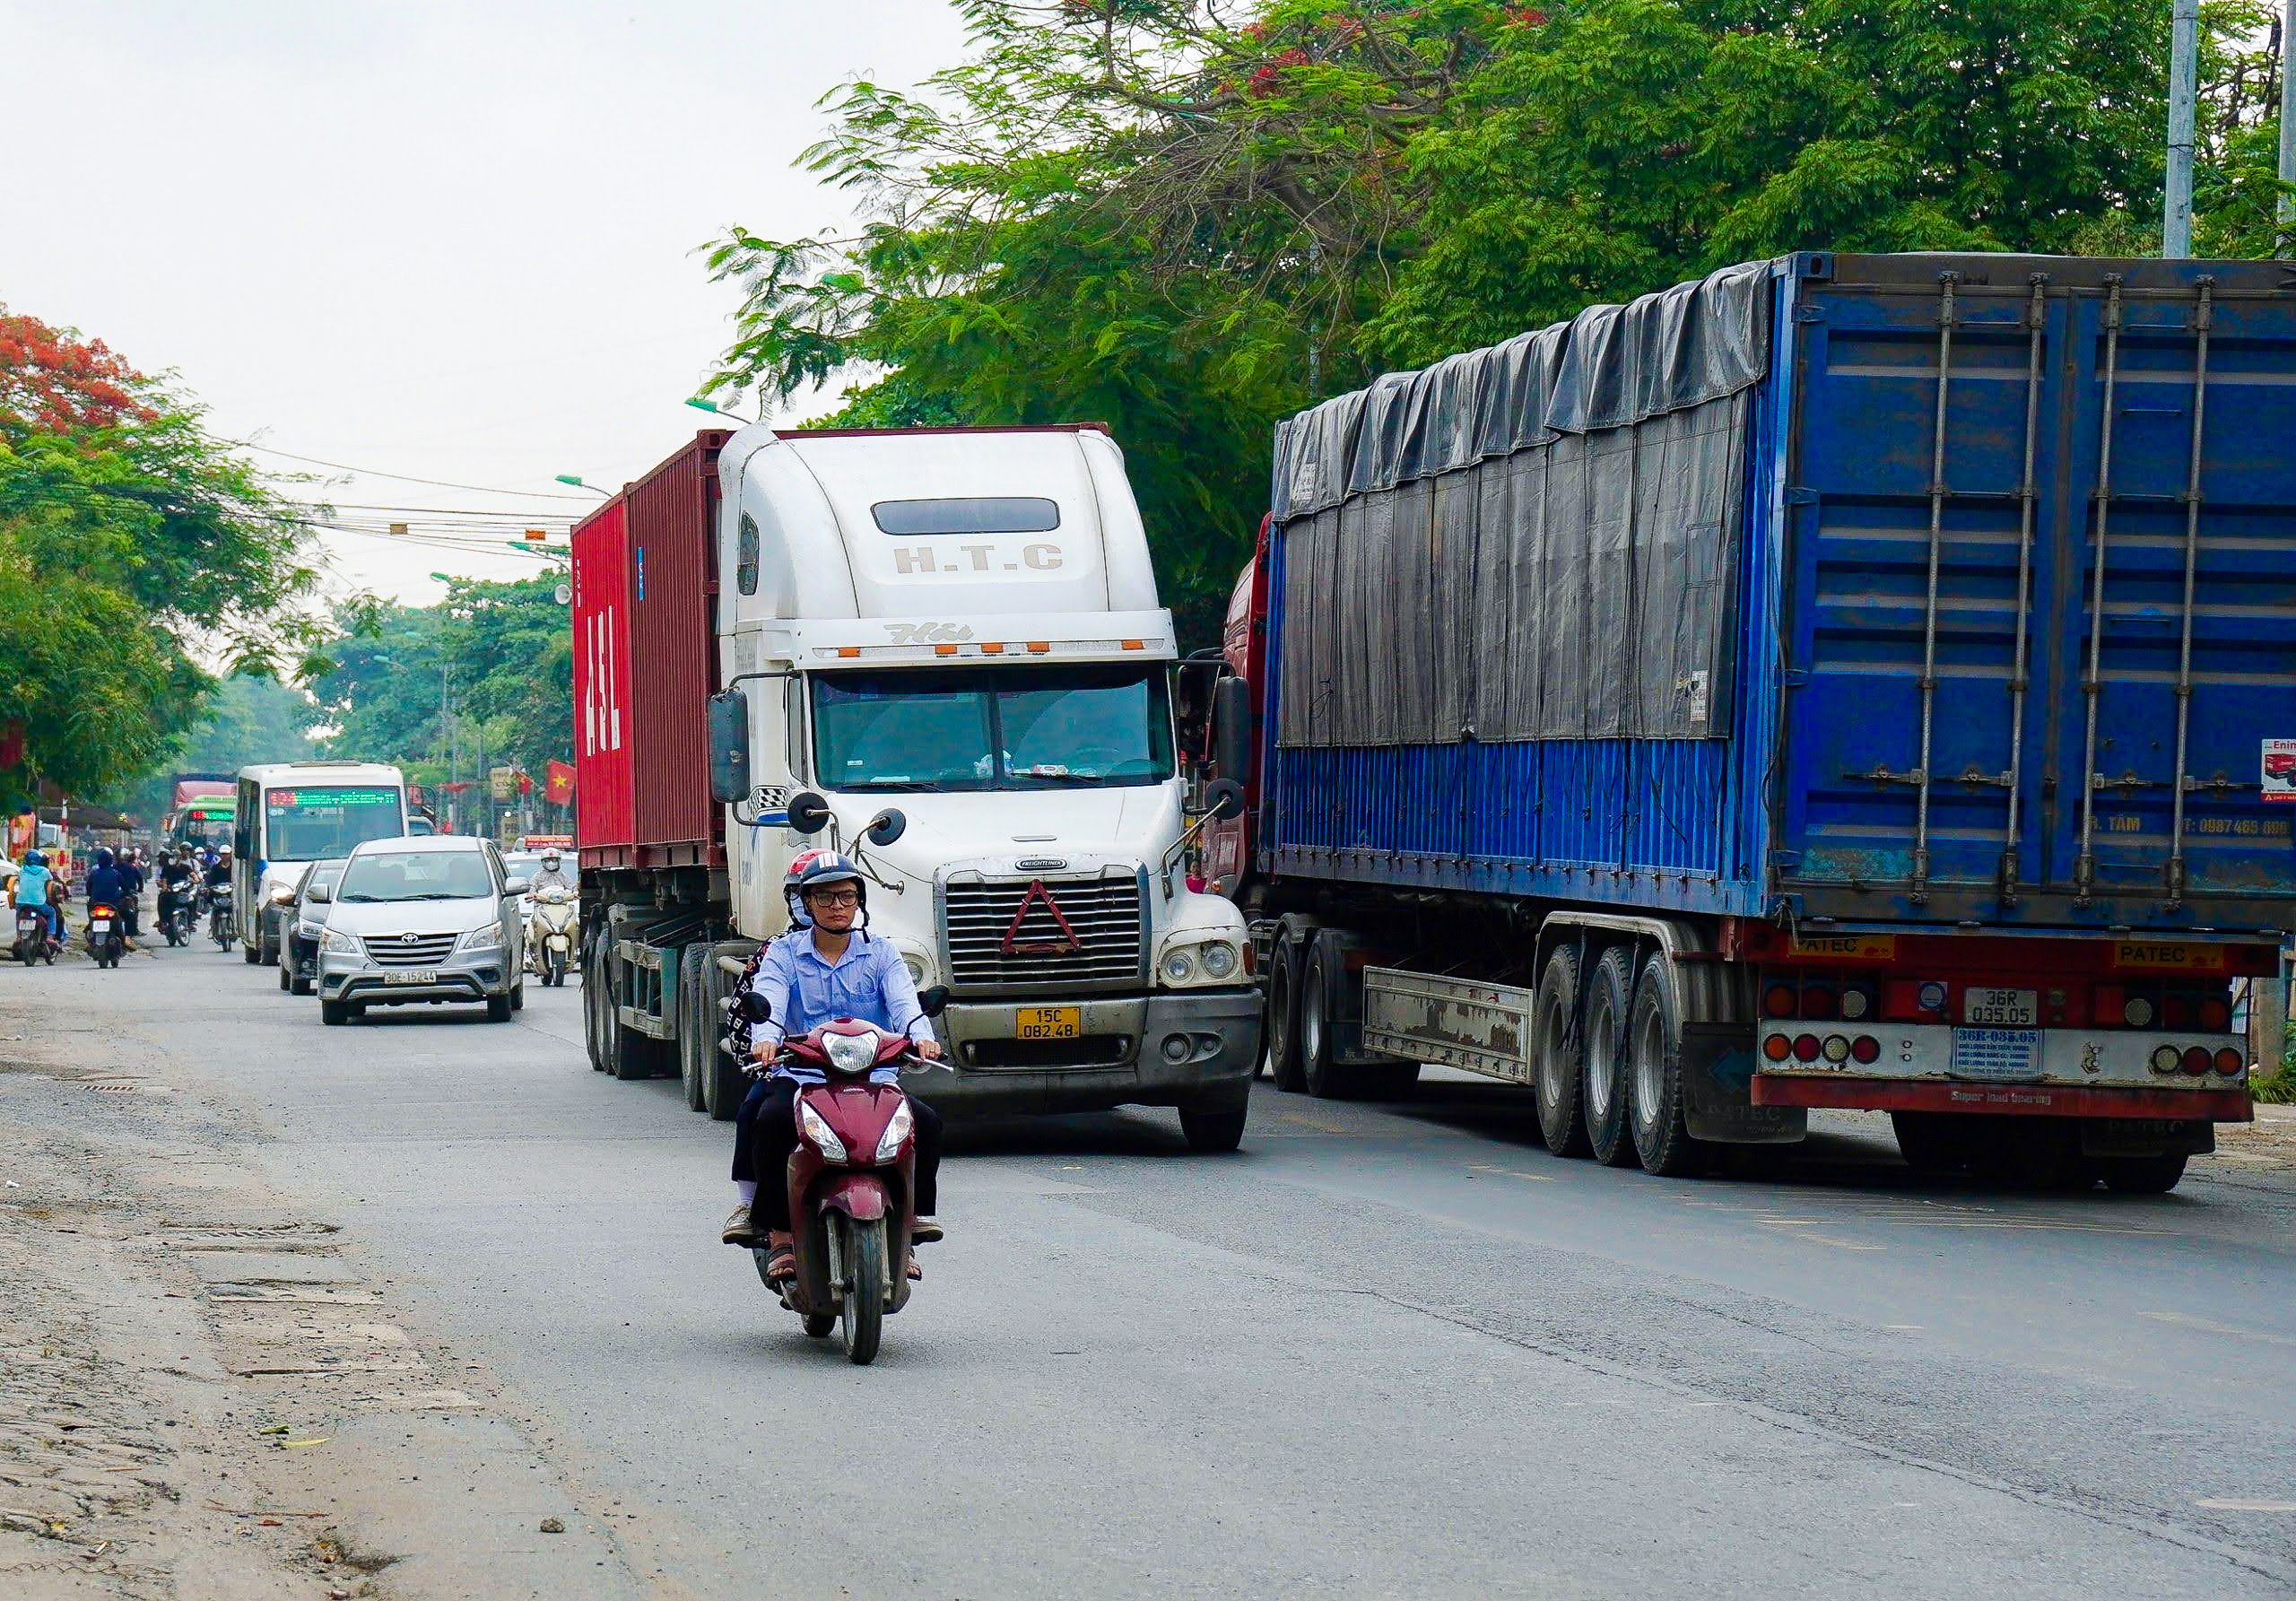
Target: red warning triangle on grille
1066, 945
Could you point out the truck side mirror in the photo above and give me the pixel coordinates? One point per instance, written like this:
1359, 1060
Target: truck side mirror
1227, 799
1231, 727
886, 827
808, 813
934, 1001
729, 747
756, 1007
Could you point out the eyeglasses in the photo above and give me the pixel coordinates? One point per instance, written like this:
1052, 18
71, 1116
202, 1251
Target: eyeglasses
835, 897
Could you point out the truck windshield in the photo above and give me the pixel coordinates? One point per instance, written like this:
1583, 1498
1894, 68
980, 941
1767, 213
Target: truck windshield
1017, 728
303, 825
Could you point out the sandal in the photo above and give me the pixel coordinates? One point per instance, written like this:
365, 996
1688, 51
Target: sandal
782, 1264
915, 1272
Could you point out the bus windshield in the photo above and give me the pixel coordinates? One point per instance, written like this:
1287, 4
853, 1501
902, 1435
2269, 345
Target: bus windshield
1017, 728
305, 825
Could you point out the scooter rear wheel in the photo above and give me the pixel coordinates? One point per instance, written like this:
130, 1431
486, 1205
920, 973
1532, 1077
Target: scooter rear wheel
865, 1289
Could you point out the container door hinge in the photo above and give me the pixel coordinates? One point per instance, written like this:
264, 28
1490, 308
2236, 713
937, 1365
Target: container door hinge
1806, 312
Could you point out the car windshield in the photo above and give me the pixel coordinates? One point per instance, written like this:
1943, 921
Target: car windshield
416, 875
521, 864
305, 825
1018, 727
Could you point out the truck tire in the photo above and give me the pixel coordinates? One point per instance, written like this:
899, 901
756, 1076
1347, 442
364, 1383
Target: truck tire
2142, 1175
1213, 1129
1658, 1103
691, 1062
594, 985
1610, 996
1283, 1017
1555, 1072
1324, 1076
724, 1086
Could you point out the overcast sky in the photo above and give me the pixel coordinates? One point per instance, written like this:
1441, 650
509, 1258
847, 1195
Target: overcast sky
449, 240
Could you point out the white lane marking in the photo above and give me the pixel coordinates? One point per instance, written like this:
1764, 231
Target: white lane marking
1485, 1167
2229, 1505
2184, 1320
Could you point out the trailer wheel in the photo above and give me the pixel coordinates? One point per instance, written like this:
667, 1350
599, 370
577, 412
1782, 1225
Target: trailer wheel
1558, 1065
1283, 1017
1610, 993
629, 1054
594, 986
724, 1084
1324, 1076
1656, 1103
1929, 1141
2142, 1175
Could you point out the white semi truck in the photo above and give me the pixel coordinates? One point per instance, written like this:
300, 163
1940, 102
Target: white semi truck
939, 651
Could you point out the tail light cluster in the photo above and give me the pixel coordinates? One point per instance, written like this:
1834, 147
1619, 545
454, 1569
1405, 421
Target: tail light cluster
2157, 1006
1820, 1000
1835, 1049
2198, 1061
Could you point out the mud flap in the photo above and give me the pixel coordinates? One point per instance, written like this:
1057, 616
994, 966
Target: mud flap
1719, 1074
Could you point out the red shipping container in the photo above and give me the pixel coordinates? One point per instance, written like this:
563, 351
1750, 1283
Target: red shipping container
645, 670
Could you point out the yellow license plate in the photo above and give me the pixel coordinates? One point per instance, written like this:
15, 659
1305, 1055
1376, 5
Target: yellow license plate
1048, 1023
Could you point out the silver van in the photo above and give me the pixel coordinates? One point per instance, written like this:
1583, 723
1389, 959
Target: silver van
431, 919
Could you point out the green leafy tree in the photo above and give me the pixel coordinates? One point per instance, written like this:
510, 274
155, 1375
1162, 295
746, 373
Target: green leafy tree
1188, 222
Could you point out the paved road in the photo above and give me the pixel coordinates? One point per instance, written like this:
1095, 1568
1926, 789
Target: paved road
1392, 1350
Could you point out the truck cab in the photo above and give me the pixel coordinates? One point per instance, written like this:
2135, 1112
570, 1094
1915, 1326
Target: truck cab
950, 664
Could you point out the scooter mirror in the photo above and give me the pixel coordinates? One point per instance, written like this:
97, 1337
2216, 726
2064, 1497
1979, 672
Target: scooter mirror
886, 826
934, 1001
756, 1007
808, 813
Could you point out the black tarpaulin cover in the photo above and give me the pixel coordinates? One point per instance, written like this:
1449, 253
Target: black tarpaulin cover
1530, 541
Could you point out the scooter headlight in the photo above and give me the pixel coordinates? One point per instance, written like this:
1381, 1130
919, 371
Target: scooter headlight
817, 1130
896, 1131
851, 1053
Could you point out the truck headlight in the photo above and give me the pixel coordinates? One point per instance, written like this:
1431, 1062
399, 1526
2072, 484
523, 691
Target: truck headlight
1178, 967
917, 970
1219, 960
334, 942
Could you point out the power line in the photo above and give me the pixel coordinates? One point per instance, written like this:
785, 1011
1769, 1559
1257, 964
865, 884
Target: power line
482, 488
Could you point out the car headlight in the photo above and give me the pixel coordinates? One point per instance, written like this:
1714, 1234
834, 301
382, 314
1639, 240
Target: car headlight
336, 943
896, 1131
1219, 960
851, 1053
486, 936
1178, 965
815, 1129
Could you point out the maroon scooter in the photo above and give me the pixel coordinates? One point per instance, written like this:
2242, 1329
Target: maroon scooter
852, 1182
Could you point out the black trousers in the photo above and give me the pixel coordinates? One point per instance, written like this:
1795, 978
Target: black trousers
765, 1132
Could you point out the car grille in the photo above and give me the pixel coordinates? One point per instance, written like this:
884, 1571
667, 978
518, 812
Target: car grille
1102, 913
421, 949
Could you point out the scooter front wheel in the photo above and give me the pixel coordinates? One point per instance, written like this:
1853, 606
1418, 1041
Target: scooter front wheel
864, 1308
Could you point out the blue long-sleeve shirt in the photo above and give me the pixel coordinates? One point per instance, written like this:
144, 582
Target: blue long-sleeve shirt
806, 990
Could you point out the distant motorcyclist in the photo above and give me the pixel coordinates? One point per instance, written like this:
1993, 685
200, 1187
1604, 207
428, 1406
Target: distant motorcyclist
36, 885
553, 875
823, 967
107, 884
219, 869
177, 879
130, 891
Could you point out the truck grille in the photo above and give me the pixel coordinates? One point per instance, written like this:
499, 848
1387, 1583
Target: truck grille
423, 950
1102, 914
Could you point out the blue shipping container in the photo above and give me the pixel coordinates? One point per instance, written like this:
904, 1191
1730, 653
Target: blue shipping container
1888, 590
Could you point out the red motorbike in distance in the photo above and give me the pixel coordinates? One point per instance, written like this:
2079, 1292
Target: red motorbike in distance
852, 1180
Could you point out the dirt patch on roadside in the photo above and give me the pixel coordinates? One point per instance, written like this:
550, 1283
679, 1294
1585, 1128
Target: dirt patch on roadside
201, 1393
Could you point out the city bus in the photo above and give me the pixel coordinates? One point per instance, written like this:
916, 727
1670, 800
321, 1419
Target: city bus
291, 813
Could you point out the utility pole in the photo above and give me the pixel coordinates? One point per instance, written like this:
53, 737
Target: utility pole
2287, 130
2184, 73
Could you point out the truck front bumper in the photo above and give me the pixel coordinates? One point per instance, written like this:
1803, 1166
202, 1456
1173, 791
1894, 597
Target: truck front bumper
1194, 1046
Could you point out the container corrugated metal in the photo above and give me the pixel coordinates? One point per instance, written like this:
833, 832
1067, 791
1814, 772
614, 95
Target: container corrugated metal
673, 653
1812, 799
645, 663
601, 620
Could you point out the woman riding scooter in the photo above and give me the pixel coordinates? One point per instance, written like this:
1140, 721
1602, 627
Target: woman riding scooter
823, 967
